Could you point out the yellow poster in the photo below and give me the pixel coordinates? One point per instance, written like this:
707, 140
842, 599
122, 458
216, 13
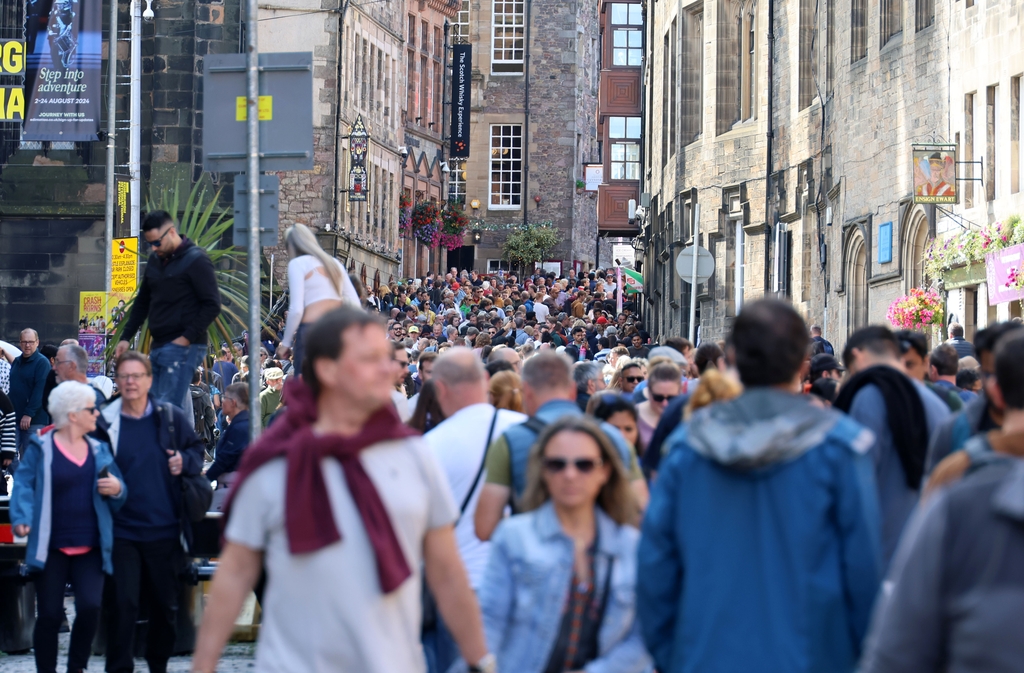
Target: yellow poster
124, 265
92, 312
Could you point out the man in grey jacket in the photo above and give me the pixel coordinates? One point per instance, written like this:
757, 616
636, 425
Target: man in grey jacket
957, 581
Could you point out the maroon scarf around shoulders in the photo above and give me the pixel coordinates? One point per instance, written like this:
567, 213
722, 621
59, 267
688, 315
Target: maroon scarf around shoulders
309, 522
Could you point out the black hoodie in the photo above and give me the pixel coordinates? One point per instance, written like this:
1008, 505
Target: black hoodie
179, 295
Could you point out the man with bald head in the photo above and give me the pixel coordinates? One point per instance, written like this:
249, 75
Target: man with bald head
28, 378
509, 355
460, 444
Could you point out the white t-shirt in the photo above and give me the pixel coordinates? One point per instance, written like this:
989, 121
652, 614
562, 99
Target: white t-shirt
459, 444
324, 612
401, 403
542, 312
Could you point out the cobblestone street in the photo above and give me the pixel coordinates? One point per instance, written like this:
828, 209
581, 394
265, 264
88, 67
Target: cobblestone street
237, 658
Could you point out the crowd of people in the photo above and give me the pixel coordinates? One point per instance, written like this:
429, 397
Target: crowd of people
476, 472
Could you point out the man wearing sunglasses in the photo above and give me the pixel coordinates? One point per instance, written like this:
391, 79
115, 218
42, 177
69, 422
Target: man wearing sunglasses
180, 298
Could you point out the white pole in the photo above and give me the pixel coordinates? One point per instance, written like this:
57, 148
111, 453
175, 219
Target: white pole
253, 188
738, 298
693, 276
135, 122
271, 306
108, 253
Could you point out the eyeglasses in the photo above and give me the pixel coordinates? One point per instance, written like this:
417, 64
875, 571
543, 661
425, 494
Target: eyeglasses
33, 341
131, 377
160, 239
62, 362
633, 379
662, 398
582, 465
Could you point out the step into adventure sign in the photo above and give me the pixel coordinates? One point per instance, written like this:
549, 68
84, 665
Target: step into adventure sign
62, 70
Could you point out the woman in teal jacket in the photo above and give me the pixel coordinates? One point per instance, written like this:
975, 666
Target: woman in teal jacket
65, 492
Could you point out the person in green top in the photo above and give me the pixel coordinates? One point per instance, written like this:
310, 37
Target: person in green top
270, 398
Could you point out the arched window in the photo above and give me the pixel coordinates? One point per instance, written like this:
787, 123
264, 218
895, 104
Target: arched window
914, 244
857, 284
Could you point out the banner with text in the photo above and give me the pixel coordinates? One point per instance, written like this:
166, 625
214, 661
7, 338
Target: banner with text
12, 76
124, 264
62, 78
462, 64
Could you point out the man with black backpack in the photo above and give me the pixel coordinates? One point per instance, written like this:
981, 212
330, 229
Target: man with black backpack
203, 413
157, 452
549, 393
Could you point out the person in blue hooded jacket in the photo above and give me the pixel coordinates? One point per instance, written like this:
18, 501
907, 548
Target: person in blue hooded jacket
760, 548
65, 492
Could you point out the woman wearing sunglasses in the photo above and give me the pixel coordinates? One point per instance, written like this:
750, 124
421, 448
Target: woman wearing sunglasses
664, 383
559, 592
65, 492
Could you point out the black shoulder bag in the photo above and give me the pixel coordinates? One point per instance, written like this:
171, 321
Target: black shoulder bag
429, 605
196, 492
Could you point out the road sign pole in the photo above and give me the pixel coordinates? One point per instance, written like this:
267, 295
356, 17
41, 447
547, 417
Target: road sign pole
253, 175
693, 278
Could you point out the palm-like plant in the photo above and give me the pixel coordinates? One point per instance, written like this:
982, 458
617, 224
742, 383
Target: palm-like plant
206, 224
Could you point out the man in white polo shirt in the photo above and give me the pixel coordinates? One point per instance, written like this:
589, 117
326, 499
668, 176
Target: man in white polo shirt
343, 505
459, 443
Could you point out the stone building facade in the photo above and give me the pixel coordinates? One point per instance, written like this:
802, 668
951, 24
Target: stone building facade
358, 71
827, 221
984, 121
525, 159
425, 113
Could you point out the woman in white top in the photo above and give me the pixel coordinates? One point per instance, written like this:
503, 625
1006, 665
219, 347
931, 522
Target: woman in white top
318, 284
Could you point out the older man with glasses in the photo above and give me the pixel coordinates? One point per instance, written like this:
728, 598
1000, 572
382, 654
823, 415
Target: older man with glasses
180, 298
28, 379
154, 443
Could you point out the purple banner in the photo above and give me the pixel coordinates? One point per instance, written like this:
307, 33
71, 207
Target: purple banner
1003, 269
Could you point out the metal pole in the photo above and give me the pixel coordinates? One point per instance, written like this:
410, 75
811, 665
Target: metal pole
693, 273
253, 188
108, 253
135, 121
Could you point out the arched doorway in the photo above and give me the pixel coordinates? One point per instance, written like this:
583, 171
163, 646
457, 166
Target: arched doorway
857, 284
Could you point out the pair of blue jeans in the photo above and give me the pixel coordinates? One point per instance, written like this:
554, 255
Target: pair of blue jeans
173, 366
439, 647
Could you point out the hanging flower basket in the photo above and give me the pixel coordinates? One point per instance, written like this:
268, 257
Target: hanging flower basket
426, 223
453, 225
918, 310
405, 215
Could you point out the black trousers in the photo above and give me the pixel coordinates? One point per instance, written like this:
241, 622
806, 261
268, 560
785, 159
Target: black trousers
157, 564
85, 573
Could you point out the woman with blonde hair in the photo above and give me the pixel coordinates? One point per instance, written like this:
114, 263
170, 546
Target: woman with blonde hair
505, 391
559, 591
317, 284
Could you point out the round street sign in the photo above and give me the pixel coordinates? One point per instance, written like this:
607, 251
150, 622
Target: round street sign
705, 264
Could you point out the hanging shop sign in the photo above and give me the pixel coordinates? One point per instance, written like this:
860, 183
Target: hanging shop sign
462, 63
12, 73
934, 173
62, 70
358, 144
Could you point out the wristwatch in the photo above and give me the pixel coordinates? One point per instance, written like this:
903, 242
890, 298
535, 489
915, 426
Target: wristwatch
489, 664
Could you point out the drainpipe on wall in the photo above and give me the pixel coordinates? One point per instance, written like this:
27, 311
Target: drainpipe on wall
770, 137
525, 197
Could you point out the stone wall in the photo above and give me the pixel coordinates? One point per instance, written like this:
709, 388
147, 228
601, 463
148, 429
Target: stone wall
563, 88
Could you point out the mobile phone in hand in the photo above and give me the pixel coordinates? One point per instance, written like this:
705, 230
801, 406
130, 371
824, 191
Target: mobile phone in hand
104, 473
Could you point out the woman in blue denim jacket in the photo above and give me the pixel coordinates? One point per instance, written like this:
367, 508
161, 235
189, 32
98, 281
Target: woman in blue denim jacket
65, 492
559, 593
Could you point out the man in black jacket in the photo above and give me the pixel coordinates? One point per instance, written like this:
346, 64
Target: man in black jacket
180, 297
154, 444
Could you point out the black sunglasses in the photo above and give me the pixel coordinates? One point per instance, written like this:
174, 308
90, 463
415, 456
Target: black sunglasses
634, 379
662, 398
583, 465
